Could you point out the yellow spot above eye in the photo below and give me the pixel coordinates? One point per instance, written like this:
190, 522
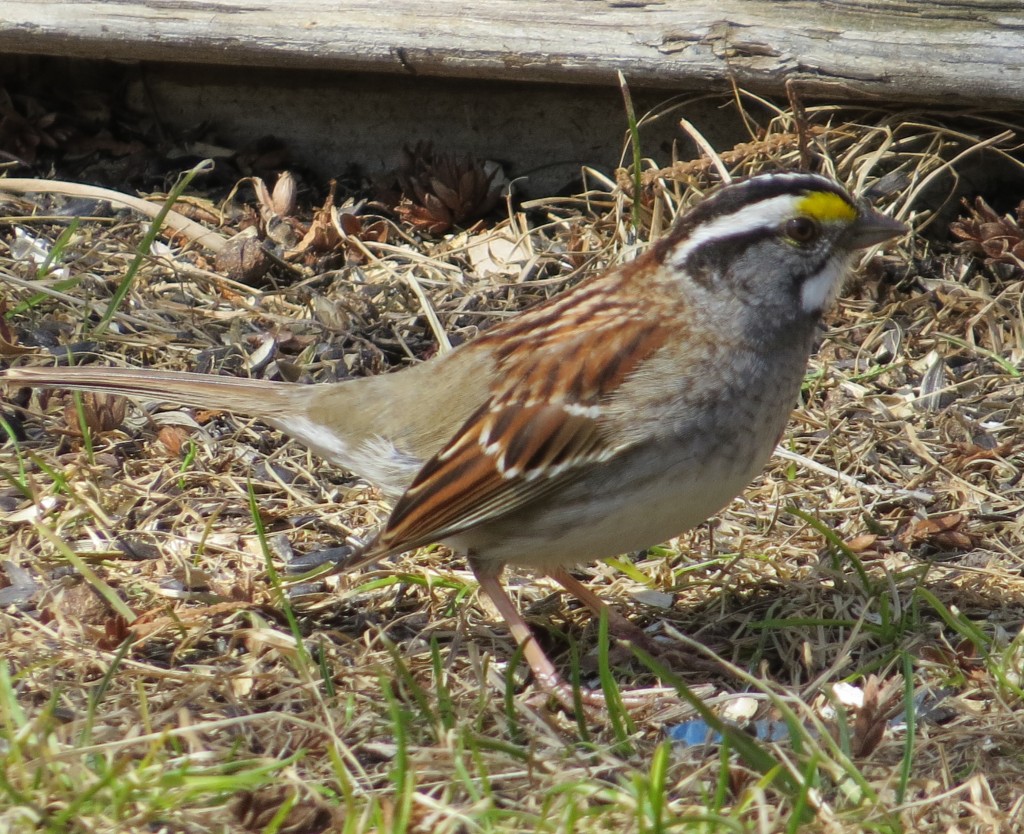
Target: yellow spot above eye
826, 206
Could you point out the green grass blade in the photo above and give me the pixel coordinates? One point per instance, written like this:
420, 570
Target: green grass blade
634, 141
403, 775
96, 696
147, 242
87, 573
838, 545
748, 748
83, 426
907, 764
621, 722
280, 594
56, 253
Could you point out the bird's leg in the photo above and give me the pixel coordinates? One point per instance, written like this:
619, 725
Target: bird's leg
543, 669
622, 628
618, 625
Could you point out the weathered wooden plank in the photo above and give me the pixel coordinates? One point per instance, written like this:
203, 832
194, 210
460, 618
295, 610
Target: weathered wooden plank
541, 133
936, 51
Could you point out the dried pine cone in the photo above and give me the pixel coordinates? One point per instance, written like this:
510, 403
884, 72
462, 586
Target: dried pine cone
1000, 240
26, 128
100, 412
440, 191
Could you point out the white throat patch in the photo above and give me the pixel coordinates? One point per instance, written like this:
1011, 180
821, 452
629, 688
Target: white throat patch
819, 290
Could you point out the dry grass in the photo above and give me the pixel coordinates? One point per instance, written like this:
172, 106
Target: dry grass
891, 543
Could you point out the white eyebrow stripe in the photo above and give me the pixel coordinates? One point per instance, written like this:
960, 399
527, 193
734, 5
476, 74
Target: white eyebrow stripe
764, 214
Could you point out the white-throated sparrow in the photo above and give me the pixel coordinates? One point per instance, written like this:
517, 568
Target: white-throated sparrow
613, 417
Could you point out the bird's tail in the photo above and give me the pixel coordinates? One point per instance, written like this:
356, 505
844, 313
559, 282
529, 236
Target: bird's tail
271, 401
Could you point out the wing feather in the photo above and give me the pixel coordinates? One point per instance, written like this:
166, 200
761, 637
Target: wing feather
484, 476
541, 426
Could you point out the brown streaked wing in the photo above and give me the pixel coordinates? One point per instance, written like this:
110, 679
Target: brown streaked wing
472, 481
603, 335
540, 426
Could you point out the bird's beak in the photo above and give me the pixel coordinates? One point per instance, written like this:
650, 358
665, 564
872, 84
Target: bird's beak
873, 227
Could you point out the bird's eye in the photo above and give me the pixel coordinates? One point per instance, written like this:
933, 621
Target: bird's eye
801, 230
